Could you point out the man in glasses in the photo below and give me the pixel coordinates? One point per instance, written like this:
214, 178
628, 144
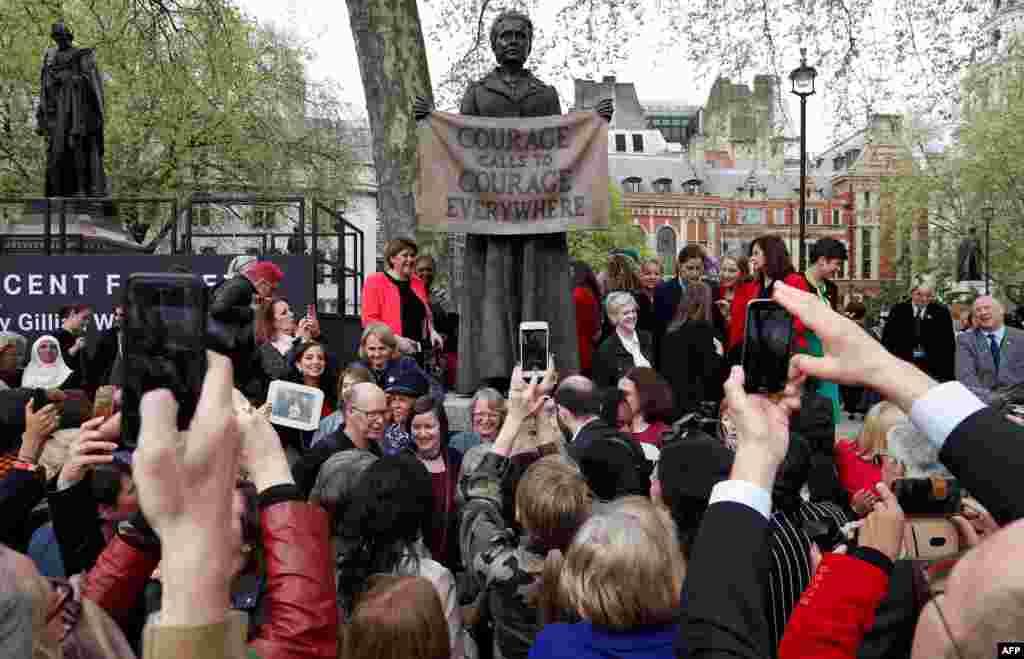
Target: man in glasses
366, 416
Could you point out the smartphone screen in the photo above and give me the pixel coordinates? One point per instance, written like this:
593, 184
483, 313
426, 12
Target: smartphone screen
534, 349
164, 344
766, 347
311, 311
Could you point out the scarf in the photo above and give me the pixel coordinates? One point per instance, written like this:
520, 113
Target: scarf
45, 376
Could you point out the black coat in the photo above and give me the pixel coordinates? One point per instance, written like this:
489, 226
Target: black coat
691, 365
104, 356
491, 97
937, 339
612, 360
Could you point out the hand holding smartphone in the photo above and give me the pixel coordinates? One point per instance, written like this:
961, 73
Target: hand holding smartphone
164, 344
534, 348
767, 342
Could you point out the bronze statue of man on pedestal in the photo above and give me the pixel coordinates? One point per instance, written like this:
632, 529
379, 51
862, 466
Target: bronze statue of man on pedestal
511, 279
70, 114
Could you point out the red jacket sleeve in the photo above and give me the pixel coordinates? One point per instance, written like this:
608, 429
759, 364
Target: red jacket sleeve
738, 315
835, 611
118, 578
796, 280
373, 301
302, 615
855, 473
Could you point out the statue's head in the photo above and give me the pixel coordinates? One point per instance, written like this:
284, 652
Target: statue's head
61, 33
512, 37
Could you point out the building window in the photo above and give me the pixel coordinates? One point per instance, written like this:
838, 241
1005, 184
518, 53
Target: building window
866, 266
836, 220
811, 215
663, 185
620, 143
780, 216
631, 184
753, 216
638, 143
666, 241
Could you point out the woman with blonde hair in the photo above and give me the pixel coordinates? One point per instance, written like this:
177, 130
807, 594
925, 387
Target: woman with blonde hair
379, 353
861, 462
622, 576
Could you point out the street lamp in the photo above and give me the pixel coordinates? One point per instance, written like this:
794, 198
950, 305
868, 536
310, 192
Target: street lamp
987, 214
802, 79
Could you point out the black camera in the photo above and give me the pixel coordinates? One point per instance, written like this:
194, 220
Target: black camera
827, 534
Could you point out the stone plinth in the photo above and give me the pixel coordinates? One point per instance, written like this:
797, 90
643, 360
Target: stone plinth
457, 409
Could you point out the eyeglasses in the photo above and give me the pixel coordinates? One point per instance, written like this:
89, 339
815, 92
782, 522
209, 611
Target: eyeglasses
945, 625
372, 416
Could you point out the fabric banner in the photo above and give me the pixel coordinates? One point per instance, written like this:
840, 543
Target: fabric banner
33, 288
512, 176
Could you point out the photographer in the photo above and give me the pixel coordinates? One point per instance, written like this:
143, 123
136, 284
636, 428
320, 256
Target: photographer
981, 603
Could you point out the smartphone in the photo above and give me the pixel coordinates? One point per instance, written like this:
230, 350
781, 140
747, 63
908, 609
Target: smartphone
534, 348
766, 347
930, 539
103, 404
164, 344
929, 496
311, 311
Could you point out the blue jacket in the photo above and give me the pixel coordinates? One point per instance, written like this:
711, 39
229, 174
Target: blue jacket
586, 641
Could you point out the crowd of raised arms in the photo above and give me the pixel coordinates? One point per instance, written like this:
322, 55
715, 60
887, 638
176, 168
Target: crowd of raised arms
642, 505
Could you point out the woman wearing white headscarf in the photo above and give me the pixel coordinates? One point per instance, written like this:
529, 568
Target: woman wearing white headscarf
46, 369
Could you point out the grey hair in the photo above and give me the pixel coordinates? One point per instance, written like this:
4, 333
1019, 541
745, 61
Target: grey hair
18, 610
615, 301
911, 447
19, 341
491, 396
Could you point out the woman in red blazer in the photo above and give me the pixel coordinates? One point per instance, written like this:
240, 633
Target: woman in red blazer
398, 298
770, 262
585, 296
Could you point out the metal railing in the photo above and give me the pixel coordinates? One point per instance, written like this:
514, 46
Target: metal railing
54, 212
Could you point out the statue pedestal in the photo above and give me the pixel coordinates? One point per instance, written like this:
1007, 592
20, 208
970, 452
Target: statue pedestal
971, 289
89, 226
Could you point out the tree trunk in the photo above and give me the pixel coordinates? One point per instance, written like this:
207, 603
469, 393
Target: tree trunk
393, 64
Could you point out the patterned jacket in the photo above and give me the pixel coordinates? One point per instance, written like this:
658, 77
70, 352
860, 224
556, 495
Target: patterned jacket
504, 571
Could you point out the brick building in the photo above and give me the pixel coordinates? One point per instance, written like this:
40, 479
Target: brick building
739, 178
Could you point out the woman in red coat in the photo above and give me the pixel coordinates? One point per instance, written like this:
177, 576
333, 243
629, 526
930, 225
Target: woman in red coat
398, 298
585, 295
771, 262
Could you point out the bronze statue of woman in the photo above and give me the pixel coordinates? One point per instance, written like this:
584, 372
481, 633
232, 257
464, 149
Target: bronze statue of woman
511, 279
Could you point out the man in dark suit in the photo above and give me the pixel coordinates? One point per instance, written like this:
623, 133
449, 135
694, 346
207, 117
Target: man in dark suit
106, 354
920, 331
611, 463
723, 608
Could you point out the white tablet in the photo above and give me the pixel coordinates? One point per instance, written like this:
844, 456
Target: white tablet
295, 405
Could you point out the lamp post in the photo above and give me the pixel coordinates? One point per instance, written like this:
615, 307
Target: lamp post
987, 213
802, 79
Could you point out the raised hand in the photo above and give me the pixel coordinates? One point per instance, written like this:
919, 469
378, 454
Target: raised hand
852, 356
186, 484
883, 528
39, 427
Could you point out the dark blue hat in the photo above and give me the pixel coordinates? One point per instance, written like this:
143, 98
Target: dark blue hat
406, 383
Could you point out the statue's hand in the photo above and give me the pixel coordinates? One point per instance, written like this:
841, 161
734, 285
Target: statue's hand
421, 108
606, 108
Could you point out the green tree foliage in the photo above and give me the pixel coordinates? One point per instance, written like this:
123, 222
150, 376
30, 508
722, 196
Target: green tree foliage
982, 164
592, 246
198, 97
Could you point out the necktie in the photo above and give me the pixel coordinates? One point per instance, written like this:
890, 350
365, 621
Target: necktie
917, 323
994, 348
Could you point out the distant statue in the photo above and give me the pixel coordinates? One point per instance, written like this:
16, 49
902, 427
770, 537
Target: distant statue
968, 258
70, 114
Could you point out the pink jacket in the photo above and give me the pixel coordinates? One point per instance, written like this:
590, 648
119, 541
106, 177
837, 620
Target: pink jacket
382, 302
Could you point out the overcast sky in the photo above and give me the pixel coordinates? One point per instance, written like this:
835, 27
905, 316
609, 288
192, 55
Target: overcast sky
323, 25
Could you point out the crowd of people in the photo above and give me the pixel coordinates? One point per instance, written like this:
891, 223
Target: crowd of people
582, 514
